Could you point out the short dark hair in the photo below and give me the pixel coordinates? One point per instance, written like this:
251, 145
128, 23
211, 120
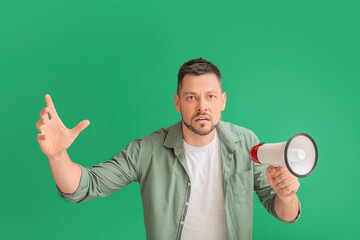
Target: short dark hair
197, 66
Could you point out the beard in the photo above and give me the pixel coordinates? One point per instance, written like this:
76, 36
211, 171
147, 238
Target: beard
202, 131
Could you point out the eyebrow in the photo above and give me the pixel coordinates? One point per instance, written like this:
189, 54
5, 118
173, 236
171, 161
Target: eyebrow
212, 92
189, 93
194, 93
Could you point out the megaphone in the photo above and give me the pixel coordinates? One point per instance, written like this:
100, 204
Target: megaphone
299, 154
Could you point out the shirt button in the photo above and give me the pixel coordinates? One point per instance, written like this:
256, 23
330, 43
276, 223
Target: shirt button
182, 223
189, 184
187, 203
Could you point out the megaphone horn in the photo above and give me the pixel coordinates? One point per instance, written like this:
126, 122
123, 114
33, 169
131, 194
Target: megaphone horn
299, 154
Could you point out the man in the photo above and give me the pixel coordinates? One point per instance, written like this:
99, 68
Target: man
196, 177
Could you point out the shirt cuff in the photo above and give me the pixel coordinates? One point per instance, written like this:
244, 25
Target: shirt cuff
81, 192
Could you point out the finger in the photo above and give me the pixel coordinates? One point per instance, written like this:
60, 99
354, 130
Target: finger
282, 195
270, 170
43, 113
41, 137
40, 125
290, 188
285, 190
294, 187
279, 178
290, 194
51, 106
280, 170
286, 182
80, 127
286, 195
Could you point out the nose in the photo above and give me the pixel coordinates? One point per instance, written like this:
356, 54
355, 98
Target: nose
202, 106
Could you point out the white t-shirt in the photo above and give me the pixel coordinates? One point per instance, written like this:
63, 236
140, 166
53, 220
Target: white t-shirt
206, 216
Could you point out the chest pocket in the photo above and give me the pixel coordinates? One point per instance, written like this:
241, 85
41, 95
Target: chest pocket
241, 187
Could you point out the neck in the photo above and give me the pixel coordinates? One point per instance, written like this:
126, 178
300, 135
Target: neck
195, 139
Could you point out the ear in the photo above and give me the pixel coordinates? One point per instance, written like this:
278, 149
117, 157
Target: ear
177, 103
223, 98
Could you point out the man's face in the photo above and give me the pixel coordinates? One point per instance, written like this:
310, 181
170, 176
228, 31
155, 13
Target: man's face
200, 103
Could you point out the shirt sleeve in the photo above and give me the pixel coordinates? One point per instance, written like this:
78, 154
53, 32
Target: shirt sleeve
264, 191
108, 177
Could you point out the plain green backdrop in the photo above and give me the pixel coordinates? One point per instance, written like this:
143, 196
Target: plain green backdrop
287, 67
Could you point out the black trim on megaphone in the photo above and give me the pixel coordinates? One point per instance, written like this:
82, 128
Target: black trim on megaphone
286, 149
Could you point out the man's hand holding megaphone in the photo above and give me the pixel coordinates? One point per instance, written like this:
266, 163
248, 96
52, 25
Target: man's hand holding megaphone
282, 181
287, 161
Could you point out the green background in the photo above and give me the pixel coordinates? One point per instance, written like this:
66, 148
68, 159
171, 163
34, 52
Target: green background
287, 67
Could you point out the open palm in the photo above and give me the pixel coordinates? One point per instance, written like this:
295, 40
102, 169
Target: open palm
54, 138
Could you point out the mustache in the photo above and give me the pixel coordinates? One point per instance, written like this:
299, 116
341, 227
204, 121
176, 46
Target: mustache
202, 114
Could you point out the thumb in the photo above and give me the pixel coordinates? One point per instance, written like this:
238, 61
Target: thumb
271, 170
80, 127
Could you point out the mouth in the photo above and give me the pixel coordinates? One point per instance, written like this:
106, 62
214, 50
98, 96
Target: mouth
202, 119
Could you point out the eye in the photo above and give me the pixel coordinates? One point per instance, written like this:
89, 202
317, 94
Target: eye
212, 96
190, 97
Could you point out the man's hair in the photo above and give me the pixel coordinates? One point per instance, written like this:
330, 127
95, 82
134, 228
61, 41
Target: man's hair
196, 67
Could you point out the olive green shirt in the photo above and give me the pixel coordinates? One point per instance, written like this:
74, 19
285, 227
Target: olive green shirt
158, 163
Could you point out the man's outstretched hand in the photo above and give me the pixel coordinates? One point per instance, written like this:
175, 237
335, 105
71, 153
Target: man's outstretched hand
54, 138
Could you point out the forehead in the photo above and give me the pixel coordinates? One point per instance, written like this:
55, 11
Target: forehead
202, 83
